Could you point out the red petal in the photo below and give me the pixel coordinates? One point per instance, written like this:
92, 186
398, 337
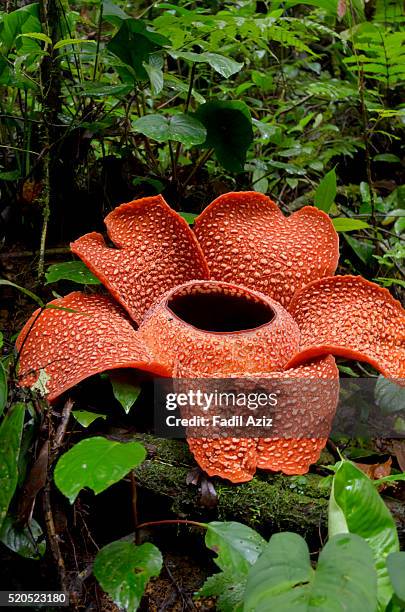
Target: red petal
353, 318
175, 342
247, 240
305, 407
309, 407
232, 458
156, 251
70, 346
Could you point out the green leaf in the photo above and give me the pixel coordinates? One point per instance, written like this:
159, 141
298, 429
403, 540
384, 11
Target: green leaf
37, 36
28, 541
283, 578
237, 545
180, 128
124, 569
228, 591
155, 73
10, 441
12, 175
387, 157
125, 391
72, 41
388, 282
102, 90
364, 250
96, 463
189, 217
344, 224
225, 66
76, 271
326, 192
366, 515
3, 388
389, 396
396, 571
86, 418
113, 13
23, 20
133, 44
229, 131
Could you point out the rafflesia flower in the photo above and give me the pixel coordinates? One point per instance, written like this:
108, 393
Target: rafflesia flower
248, 292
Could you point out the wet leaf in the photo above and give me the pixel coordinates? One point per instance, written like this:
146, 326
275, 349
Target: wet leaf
125, 391
75, 271
86, 418
124, 569
367, 515
284, 580
96, 463
29, 541
179, 128
229, 131
326, 192
237, 545
10, 440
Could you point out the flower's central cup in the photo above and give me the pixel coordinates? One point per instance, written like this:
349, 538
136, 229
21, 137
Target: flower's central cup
218, 310
219, 329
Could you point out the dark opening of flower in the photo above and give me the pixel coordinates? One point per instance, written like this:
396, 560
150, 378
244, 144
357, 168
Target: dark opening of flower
218, 309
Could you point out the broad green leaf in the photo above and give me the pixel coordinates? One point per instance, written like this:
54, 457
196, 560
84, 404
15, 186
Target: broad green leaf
387, 157
28, 541
229, 131
225, 66
389, 396
326, 192
1, 340
344, 224
124, 569
263, 80
180, 128
72, 41
37, 36
155, 73
76, 271
227, 589
3, 388
396, 571
283, 579
363, 250
125, 391
113, 13
10, 440
133, 44
101, 90
237, 545
189, 217
96, 463
23, 20
368, 516
86, 418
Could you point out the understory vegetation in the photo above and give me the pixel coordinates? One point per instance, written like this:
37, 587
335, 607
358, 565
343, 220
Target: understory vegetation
105, 101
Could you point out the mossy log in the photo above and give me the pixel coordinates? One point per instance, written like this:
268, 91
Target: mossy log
268, 503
